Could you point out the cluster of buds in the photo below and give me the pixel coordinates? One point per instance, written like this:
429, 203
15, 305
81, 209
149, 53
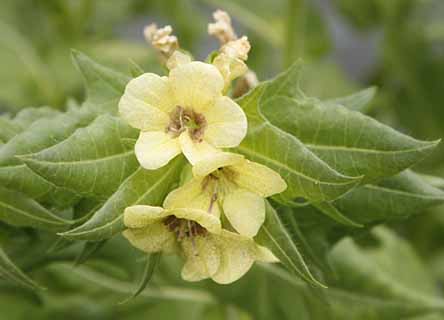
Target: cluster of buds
213, 218
161, 39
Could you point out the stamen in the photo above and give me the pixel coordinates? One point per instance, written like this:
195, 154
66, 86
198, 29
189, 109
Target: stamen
182, 119
212, 201
184, 228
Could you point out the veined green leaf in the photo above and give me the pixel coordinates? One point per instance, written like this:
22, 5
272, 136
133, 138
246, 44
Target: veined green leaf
104, 86
393, 198
284, 84
437, 182
9, 271
274, 236
142, 187
306, 175
358, 101
41, 134
18, 210
348, 141
93, 161
331, 211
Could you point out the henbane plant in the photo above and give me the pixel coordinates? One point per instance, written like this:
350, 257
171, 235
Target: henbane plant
206, 163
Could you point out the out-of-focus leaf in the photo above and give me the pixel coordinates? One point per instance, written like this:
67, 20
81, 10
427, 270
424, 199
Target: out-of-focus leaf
93, 161
9, 271
10, 127
150, 266
389, 270
19, 210
348, 141
274, 236
167, 293
89, 249
142, 187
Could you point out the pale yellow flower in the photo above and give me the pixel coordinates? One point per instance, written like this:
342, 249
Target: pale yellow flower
184, 112
209, 251
229, 183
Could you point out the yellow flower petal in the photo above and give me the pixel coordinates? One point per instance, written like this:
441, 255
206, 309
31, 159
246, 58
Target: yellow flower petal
216, 161
152, 89
140, 216
202, 258
152, 238
237, 256
196, 85
210, 222
258, 178
195, 151
245, 210
226, 124
156, 149
177, 58
191, 195
141, 115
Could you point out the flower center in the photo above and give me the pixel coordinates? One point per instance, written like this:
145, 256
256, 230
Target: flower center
182, 119
219, 183
184, 228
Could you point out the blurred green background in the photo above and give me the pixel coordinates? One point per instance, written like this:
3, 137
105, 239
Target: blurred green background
396, 45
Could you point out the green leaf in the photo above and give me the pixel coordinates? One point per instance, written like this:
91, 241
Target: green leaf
11, 127
41, 134
393, 198
150, 266
19, 210
306, 175
142, 187
9, 271
8, 129
28, 116
348, 141
274, 236
358, 101
93, 161
390, 270
135, 69
284, 84
330, 210
104, 86
284, 290
89, 249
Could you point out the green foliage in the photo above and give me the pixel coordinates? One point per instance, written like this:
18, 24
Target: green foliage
67, 176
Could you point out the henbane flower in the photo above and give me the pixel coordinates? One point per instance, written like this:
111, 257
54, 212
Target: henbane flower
209, 251
229, 183
184, 112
